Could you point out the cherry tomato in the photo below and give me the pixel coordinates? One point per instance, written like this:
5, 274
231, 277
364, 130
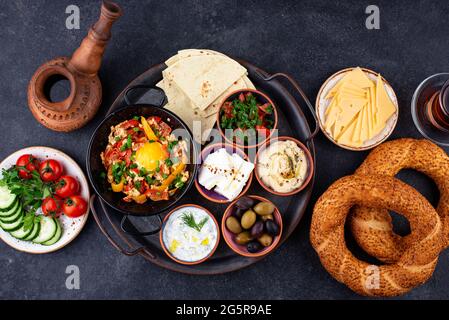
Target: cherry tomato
52, 206
50, 170
27, 163
74, 206
67, 186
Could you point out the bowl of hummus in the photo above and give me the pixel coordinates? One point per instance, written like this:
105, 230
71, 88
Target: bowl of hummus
284, 167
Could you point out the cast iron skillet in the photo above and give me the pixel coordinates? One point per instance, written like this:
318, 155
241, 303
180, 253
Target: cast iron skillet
99, 142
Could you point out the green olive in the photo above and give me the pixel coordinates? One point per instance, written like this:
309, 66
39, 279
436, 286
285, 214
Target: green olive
243, 237
267, 217
248, 219
266, 240
233, 225
264, 208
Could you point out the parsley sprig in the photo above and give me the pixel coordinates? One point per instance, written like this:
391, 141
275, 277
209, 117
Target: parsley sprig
31, 192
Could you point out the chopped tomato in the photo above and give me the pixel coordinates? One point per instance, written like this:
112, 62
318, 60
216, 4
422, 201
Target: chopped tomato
111, 154
264, 107
155, 119
127, 156
156, 195
130, 124
227, 109
242, 97
164, 129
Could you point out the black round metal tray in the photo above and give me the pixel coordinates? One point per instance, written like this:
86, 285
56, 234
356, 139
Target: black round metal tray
292, 122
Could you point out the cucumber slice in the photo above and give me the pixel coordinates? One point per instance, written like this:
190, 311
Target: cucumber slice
6, 198
57, 235
14, 217
13, 226
21, 233
48, 230
34, 233
10, 212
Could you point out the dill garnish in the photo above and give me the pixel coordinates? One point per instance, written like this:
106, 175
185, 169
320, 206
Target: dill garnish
189, 220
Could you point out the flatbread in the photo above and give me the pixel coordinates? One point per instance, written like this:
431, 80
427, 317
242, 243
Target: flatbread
204, 78
186, 53
200, 121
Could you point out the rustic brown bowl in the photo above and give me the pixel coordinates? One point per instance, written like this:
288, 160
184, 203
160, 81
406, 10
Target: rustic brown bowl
189, 263
310, 167
263, 98
241, 249
211, 194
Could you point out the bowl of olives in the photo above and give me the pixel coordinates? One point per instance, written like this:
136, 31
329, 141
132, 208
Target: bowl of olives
252, 226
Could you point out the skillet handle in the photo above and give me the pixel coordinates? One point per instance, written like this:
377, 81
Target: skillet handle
301, 93
124, 224
132, 251
128, 91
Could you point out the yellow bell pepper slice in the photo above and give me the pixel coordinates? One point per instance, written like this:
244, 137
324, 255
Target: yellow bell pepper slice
166, 183
140, 199
148, 131
118, 187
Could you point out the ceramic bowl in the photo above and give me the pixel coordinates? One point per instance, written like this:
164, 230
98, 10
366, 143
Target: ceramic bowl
261, 98
211, 195
310, 167
229, 237
161, 234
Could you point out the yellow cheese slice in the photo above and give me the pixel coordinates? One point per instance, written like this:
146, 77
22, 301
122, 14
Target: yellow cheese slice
350, 86
348, 92
356, 77
345, 137
331, 118
358, 128
341, 99
384, 105
364, 135
372, 94
370, 115
349, 110
330, 106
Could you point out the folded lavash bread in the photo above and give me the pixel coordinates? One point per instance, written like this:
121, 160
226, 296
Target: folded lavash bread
182, 105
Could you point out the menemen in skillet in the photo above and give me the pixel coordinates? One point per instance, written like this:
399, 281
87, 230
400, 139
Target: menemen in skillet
144, 160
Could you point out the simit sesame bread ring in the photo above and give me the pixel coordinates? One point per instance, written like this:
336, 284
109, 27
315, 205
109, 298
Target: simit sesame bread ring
372, 226
418, 260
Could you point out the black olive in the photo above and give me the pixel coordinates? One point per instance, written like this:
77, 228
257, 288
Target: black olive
238, 213
272, 228
244, 203
257, 229
254, 247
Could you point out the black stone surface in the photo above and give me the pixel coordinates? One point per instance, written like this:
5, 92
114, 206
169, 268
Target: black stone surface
308, 39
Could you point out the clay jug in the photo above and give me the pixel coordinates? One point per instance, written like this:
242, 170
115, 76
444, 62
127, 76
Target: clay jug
81, 70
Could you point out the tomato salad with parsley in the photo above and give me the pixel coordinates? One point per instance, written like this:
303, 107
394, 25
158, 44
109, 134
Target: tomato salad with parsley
144, 160
246, 116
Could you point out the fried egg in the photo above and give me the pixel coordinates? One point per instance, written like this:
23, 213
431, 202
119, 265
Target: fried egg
150, 155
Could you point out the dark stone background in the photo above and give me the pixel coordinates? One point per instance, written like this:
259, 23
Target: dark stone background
308, 39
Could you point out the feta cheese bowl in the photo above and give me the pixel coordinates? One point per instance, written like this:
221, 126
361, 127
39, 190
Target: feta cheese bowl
225, 174
190, 234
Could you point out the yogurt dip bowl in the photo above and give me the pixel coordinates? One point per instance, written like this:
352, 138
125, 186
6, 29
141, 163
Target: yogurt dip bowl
190, 234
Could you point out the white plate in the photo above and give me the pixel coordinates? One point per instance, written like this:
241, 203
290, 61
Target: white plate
322, 104
71, 227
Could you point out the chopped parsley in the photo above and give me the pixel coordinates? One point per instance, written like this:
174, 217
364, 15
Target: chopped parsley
127, 145
118, 169
172, 144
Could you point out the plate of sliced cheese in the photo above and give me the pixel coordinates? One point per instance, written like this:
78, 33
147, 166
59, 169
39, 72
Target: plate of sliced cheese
357, 109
